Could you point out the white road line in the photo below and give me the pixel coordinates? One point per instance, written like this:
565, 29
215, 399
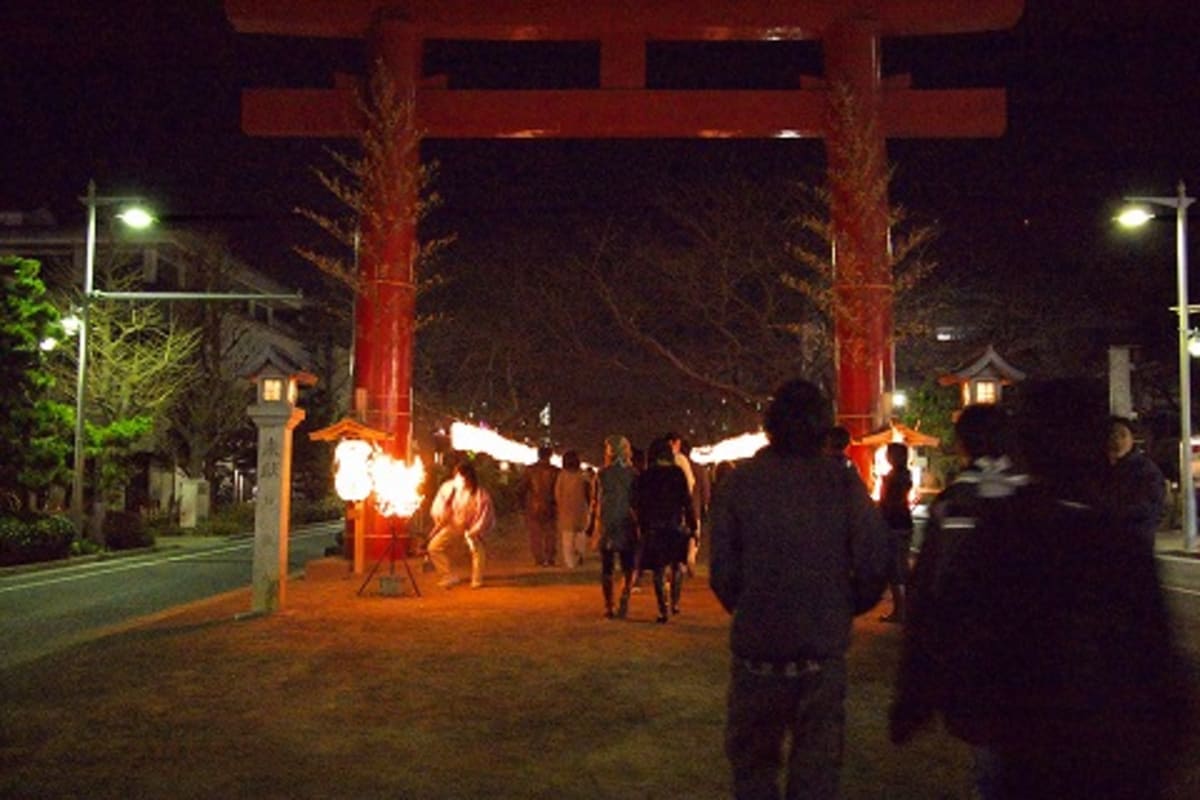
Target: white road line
83, 573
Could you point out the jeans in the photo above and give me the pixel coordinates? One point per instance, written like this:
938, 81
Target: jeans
807, 700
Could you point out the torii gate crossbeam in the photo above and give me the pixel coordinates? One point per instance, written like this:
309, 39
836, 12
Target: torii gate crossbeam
621, 106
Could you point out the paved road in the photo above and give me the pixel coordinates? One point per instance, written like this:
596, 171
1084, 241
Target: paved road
46, 610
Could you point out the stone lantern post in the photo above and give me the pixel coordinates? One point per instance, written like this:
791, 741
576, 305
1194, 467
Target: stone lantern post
275, 414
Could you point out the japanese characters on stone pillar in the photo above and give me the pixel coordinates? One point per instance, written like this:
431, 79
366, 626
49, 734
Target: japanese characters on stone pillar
275, 415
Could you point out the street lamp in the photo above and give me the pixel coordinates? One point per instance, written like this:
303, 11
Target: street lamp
1140, 214
135, 217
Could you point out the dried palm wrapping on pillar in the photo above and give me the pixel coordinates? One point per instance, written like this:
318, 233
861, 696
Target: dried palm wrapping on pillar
622, 107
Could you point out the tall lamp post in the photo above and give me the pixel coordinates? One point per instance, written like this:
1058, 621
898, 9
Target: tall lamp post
1139, 214
135, 217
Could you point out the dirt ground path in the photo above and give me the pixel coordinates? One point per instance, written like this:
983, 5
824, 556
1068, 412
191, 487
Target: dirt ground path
519, 690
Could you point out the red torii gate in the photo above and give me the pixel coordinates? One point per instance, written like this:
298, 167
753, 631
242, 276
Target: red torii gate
621, 107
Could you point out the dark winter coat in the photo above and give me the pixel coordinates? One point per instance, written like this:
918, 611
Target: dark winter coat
788, 532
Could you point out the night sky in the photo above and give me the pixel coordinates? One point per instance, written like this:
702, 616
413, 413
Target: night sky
1104, 100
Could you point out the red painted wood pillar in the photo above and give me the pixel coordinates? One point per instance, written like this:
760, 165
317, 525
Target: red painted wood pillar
385, 309
862, 272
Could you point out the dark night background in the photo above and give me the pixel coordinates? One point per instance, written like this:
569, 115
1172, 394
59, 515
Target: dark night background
1104, 101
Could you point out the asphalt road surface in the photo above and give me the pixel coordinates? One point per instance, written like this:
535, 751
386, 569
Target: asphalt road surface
45, 610
50, 609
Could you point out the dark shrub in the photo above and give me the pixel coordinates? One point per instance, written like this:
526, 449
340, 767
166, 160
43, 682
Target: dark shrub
28, 539
13, 535
320, 509
55, 533
125, 530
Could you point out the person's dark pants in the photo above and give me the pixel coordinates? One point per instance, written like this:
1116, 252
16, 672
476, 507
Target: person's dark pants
608, 562
767, 702
542, 538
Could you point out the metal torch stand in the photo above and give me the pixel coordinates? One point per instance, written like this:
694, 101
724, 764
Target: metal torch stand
389, 585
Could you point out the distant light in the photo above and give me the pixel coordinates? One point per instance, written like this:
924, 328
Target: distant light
70, 324
1193, 346
732, 449
899, 399
137, 218
48, 344
1134, 217
947, 333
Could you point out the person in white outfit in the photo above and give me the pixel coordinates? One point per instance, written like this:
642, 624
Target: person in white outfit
573, 504
461, 507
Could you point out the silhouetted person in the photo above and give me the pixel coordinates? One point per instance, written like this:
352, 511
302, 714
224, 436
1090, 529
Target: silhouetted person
614, 531
837, 439
536, 493
573, 506
791, 531
666, 522
1133, 487
897, 513
1045, 636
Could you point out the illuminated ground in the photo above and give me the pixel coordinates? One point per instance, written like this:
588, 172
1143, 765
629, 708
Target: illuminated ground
520, 690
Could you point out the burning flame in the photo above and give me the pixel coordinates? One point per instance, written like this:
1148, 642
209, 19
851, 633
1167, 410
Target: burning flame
397, 485
352, 469
483, 440
732, 449
362, 468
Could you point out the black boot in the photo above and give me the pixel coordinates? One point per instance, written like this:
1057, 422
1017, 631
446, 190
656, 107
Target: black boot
627, 587
606, 584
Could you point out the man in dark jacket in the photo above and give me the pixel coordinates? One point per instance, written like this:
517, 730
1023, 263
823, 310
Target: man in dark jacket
1042, 636
791, 529
536, 492
1133, 489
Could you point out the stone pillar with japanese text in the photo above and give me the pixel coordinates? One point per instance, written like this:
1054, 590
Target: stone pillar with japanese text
272, 505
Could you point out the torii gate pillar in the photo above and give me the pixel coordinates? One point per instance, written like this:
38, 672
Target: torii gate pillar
621, 106
385, 307
864, 344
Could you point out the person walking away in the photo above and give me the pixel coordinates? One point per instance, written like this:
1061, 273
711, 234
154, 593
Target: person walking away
983, 440
837, 439
666, 520
794, 537
573, 504
1133, 489
463, 508
1050, 640
614, 532
897, 513
536, 493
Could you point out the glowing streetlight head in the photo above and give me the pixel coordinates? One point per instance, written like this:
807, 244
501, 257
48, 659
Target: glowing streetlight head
1135, 216
1193, 344
137, 218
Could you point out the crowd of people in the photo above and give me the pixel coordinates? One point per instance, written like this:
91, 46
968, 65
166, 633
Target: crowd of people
641, 511
1032, 622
